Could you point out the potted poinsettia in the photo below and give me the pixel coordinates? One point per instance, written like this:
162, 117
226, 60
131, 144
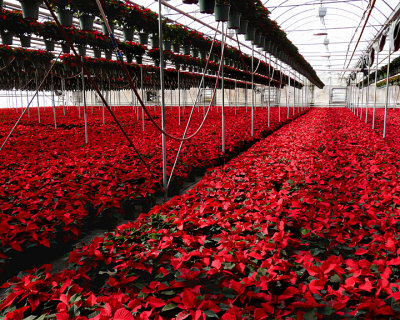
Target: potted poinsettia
30, 8
64, 11
86, 21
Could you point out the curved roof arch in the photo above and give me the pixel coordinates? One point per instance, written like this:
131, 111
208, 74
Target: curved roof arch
344, 22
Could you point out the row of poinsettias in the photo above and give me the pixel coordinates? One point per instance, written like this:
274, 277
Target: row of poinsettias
53, 185
303, 225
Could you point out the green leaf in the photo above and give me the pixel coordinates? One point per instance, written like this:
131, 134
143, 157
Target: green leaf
210, 314
327, 311
335, 279
169, 306
229, 293
310, 315
93, 314
229, 265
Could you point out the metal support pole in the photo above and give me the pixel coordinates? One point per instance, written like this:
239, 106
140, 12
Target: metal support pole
141, 87
179, 98
53, 100
362, 97
269, 92
387, 96
37, 96
288, 97
252, 90
223, 93
280, 94
84, 107
294, 92
376, 81
367, 96
163, 136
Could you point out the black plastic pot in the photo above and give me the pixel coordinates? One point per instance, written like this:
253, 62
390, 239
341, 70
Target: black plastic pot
267, 46
176, 47
177, 66
108, 54
128, 34
243, 27
250, 34
207, 6
262, 42
221, 12
234, 19
7, 38
82, 50
25, 41
195, 52
186, 50
49, 44
65, 17
155, 42
139, 59
86, 22
97, 53
30, 9
65, 48
167, 45
257, 38
105, 30
1, 4
129, 58
203, 54
157, 63
143, 38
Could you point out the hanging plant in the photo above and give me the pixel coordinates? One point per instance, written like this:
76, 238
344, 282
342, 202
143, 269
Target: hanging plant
30, 8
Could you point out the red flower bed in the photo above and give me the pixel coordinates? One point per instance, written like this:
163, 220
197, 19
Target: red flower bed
54, 184
301, 226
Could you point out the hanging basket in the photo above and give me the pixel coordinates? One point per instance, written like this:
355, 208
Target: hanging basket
82, 50
167, 45
25, 41
203, 54
186, 50
65, 48
65, 17
250, 34
234, 19
86, 22
177, 66
257, 38
30, 9
139, 59
7, 38
128, 34
97, 53
242, 27
157, 63
262, 43
221, 12
144, 38
108, 54
207, 6
49, 44
1, 4
195, 52
176, 48
155, 42
190, 1
105, 30
129, 58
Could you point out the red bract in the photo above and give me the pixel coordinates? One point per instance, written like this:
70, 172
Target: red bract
302, 225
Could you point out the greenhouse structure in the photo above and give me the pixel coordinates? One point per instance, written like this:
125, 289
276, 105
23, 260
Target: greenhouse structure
199, 159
